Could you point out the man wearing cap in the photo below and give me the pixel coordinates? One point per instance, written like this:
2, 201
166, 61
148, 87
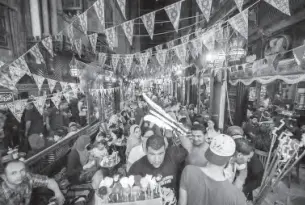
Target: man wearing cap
208, 185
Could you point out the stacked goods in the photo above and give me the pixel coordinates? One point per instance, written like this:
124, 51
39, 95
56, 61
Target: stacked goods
110, 160
132, 189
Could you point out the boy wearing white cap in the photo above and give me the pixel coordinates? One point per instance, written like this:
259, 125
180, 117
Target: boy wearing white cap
208, 185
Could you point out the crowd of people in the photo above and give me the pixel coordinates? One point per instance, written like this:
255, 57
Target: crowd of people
206, 166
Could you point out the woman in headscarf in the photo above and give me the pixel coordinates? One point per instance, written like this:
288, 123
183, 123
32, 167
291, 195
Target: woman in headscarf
77, 158
134, 138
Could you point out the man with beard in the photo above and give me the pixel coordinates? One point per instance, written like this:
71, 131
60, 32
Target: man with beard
252, 127
16, 185
199, 146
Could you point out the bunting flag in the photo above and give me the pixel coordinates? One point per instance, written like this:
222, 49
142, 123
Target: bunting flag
272, 61
48, 44
239, 23
128, 59
70, 32
52, 84
20, 63
299, 54
205, 7
161, 57
102, 59
170, 44
69, 96
208, 39
111, 36
59, 37
36, 53
74, 87
122, 5
56, 99
114, 61
128, 30
39, 103
83, 19
149, 52
149, 23
239, 4
143, 57
16, 74
281, 5
64, 86
99, 7
1, 64
6, 81
185, 38
38, 80
17, 108
93, 40
180, 51
78, 46
197, 47
159, 47
173, 11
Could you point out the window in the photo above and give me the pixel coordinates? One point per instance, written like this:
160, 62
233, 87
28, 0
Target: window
72, 4
3, 26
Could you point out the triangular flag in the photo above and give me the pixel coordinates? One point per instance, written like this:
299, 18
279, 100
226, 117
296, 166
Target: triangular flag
185, 39
20, 63
58, 37
70, 32
197, 47
83, 19
38, 80
299, 54
16, 74
102, 59
180, 51
208, 39
99, 7
122, 5
52, 84
159, 47
173, 11
128, 30
74, 87
1, 64
149, 23
239, 23
115, 60
205, 7
68, 95
56, 99
93, 40
111, 36
39, 103
78, 46
64, 86
281, 5
170, 44
239, 4
36, 53
161, 57
6, 81
143, 57
48, 44
272, 62
128, 59
17, 108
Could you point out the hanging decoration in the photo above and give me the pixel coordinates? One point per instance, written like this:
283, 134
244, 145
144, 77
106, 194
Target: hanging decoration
93, 40
16, 74
111, 36
299, 54
38, 80
83, 19
48, 44
239, 4
99, 7
239, 23
159, 47
128, 30
272, 62
208, 39
102, 59
185, 38
161, 57
197, 45
205, 7
70, 32
56, 99
115, 60
64, 85
170, 44
128, 59
59, 37
52, 84
122, 5
36, 53
180, 51
20, 63
143, 57
6, 81
281, 5
149, 23
39, 103
173, 11
78, 46
17, 108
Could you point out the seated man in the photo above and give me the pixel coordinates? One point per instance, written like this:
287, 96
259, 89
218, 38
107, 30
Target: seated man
17, 184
